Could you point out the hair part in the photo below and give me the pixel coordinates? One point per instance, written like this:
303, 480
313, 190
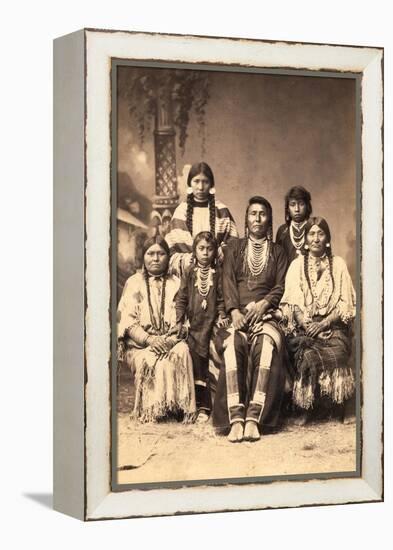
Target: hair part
200, 168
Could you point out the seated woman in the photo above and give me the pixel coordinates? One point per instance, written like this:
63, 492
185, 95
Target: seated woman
252, 379
318, 307
201, 212
147, 325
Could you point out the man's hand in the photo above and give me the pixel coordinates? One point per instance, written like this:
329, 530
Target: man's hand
256, 310
238, 319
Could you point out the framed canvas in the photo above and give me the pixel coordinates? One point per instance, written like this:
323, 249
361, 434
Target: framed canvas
139, 120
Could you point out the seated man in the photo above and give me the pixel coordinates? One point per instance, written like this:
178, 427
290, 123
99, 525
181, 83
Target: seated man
252, 380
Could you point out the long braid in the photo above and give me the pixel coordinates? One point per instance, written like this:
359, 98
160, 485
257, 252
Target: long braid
212, 212
161, 313
306, 254
190, 211
329, 254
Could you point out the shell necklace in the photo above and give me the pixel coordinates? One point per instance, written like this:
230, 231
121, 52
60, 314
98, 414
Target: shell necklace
257, 255
297, 232
203, 282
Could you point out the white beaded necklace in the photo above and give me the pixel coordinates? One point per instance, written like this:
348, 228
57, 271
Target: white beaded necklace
297, 241
203, 282
257, 255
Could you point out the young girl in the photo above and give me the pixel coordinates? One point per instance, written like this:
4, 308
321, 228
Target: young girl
291, 235
199, 300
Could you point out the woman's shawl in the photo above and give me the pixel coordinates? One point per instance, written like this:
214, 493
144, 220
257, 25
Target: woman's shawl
297, 294
133, 312
180, 239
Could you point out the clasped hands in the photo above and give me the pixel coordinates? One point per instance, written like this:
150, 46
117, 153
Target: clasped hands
255, 312
160, 345
313, 328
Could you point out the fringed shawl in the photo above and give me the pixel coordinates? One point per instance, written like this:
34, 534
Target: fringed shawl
297, 294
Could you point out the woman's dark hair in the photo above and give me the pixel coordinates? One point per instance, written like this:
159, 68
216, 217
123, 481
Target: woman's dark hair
209, 238
157, 239
260, 200
301, 194
201, 168
323, 224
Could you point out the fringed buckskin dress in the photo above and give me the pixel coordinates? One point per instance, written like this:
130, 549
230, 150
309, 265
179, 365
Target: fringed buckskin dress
162, 385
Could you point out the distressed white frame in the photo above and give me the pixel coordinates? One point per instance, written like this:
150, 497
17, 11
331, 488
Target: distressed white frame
100, 48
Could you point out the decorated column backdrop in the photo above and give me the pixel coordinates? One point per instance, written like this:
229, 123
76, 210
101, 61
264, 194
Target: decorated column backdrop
261, 134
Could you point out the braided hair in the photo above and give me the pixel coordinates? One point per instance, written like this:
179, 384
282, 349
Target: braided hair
160, 328
201, 168
301, 194
322, 223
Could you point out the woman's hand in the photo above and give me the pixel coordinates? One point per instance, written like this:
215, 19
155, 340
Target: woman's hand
314, 328
238, 319
256, 310
158, 345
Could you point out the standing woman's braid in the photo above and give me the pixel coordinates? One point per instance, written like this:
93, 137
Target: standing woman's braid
190, 211
212, 212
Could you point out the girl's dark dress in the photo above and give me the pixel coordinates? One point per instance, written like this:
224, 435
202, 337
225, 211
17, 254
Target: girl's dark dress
189, 306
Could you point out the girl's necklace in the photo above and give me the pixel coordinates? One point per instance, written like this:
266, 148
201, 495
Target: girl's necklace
297, 233
203, 282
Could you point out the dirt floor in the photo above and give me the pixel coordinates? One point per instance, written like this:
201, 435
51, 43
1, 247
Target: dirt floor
172, 451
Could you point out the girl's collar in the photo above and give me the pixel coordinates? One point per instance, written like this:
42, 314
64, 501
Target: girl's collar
202, 204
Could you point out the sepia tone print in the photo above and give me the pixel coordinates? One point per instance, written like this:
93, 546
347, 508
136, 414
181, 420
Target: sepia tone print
236, 276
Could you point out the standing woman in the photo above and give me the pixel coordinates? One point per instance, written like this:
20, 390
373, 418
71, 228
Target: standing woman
146, 326
201, 212
291, 235
319, 307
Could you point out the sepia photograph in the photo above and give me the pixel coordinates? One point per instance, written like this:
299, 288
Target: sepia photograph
235, 275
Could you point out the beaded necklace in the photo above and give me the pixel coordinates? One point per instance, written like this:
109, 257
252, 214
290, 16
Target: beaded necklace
297, 234
257, 255
158, 327
320, 276
203, 282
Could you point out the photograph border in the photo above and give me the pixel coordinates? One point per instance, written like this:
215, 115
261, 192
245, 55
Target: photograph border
115, 64
83, 485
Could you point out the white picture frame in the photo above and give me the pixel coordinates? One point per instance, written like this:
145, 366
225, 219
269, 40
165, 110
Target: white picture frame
82, 176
